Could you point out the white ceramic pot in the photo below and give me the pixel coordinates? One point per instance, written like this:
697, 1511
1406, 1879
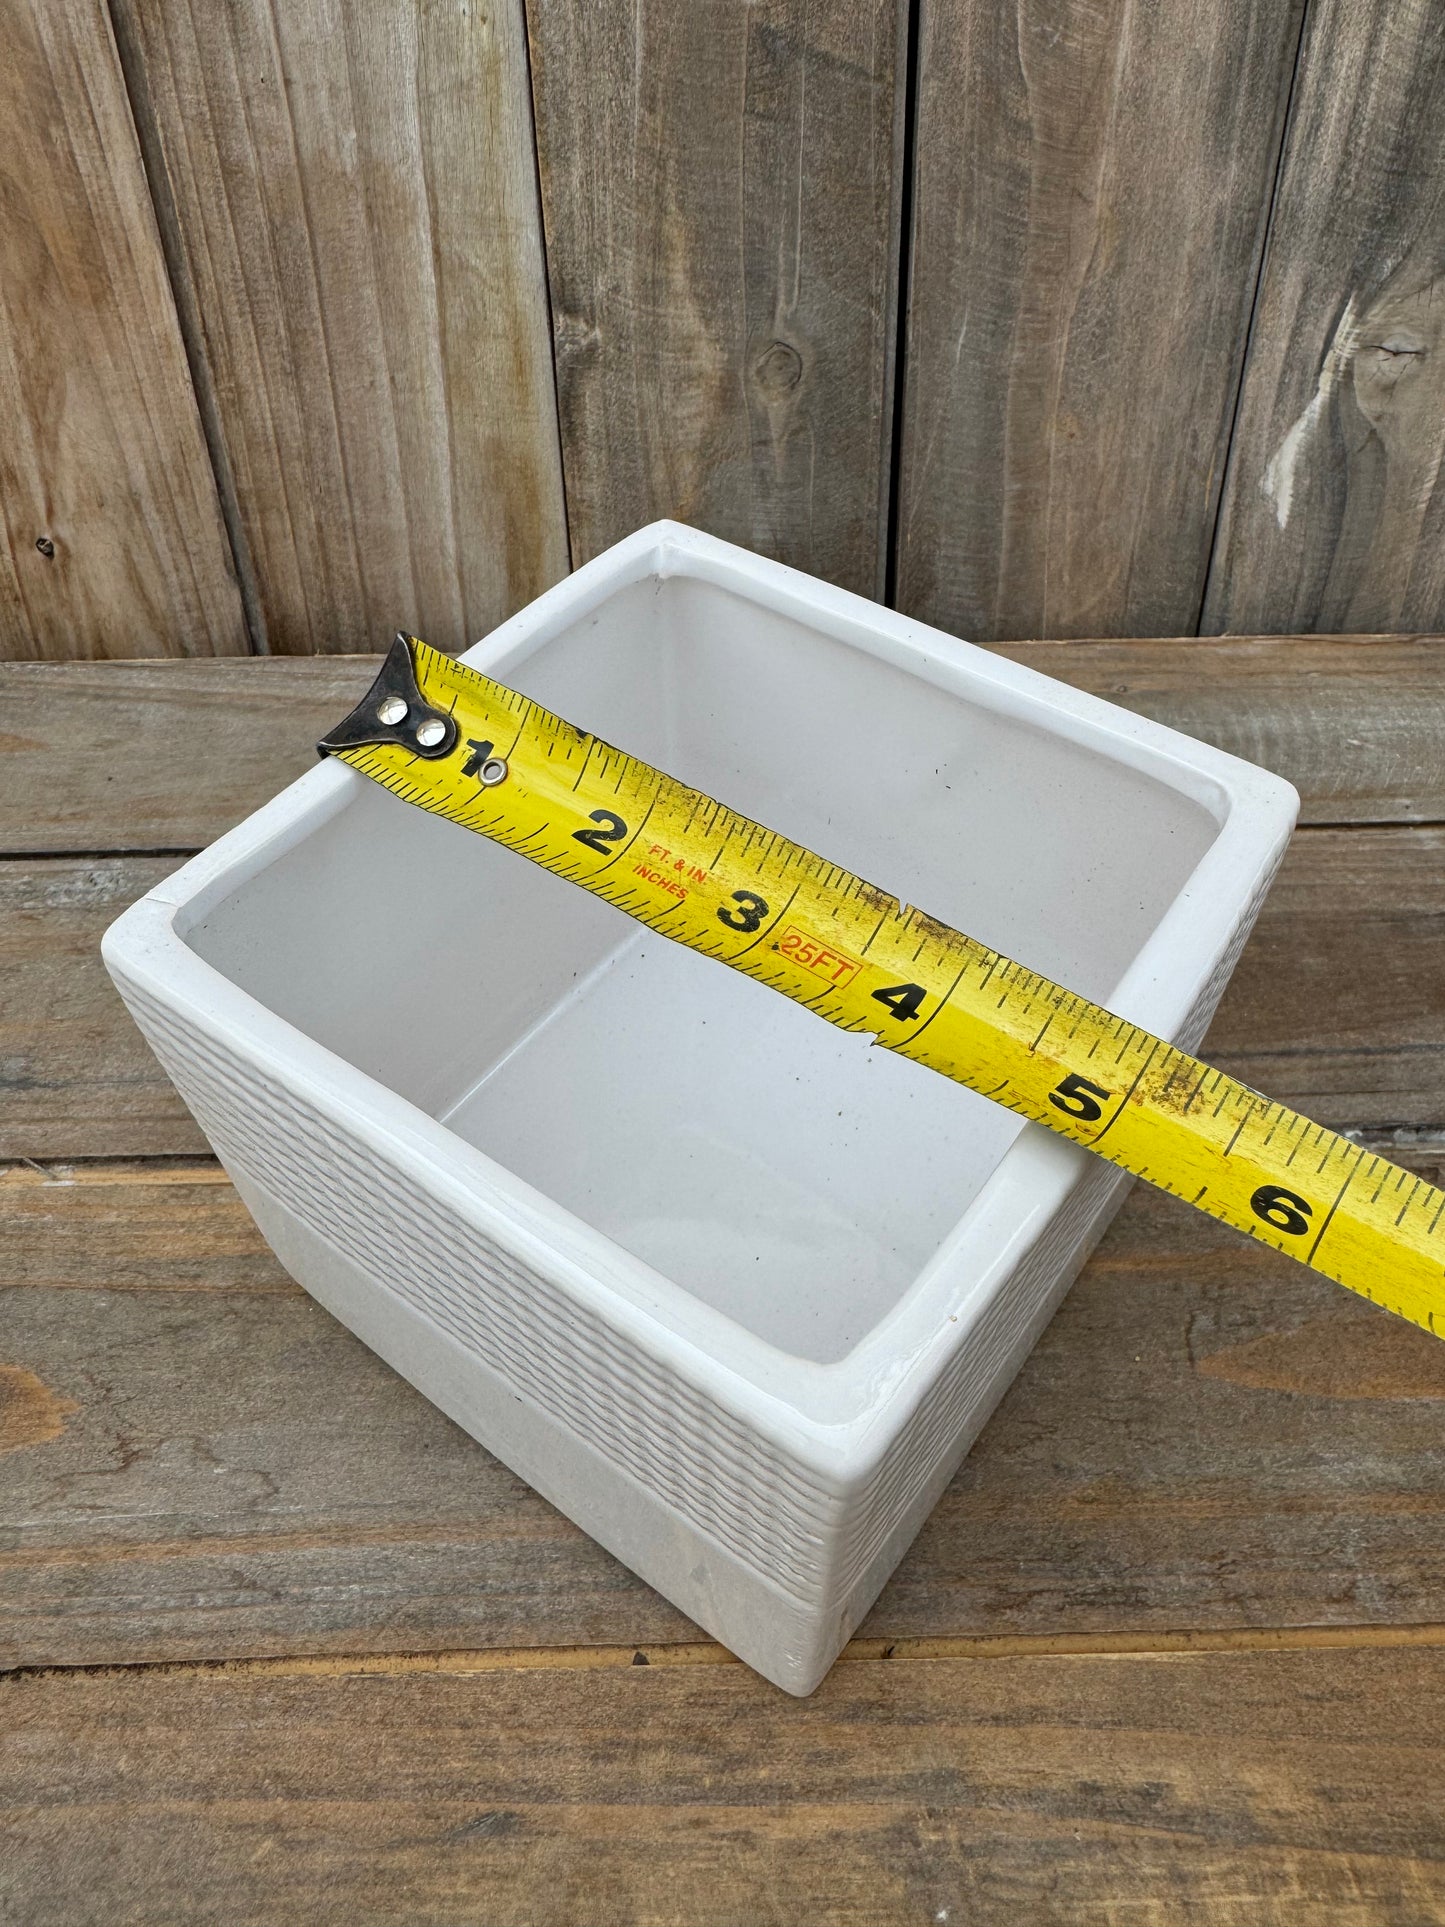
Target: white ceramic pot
730, 1287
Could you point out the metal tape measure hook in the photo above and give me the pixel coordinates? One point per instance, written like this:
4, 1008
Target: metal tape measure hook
394, 710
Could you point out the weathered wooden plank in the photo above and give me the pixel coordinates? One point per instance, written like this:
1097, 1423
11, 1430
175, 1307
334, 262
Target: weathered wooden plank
219, 1467
1301, 1020
200, 1463
76, 1076
111, 539
133, 757
143, 756
1207, 1436
1259, 1790
721, 189
1356, 723
353, 198
1337, 1007
1091, 188
1333, 506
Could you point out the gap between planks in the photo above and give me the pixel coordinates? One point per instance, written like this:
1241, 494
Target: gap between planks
696, 1653
183, 1168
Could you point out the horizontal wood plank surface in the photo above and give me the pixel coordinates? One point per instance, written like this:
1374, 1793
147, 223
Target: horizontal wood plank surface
387, 1682
1228, 1790
1353, 1048
102, 758
77, 1079
141, 756
1337, 1007
200, 1463
1355, 722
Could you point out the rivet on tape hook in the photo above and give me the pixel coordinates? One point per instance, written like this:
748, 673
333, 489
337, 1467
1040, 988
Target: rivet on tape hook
394, 710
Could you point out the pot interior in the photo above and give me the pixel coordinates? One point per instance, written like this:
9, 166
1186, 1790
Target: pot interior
790, 1175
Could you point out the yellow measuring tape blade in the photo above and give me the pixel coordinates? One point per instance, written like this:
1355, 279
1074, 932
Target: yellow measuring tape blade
464, 747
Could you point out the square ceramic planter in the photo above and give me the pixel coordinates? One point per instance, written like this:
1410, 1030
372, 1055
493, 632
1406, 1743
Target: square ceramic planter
730, 1287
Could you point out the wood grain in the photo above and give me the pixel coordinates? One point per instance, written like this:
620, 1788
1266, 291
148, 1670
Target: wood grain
135, 757
1208, 1511
352, 197
1337, 1007
204, 1465
1333, 509
1355, 722
240, 1475
102, 458
145, 756
1300, 1019
1270, 1790
1091, 191
76, 1076
721, 189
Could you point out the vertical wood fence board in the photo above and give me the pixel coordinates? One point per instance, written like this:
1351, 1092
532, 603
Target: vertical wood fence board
102, 456
1091, 189
1334, 509
720, 185
356, 207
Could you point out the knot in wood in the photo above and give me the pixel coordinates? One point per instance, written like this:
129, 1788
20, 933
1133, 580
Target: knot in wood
778, 369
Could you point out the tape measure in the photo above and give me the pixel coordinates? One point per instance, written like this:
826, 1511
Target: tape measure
452, 741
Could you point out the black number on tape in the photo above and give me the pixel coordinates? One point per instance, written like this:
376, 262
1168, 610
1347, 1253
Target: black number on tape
612, 830
750, 917
1285, 1210
1080, 1098
480, 753
904, 1000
